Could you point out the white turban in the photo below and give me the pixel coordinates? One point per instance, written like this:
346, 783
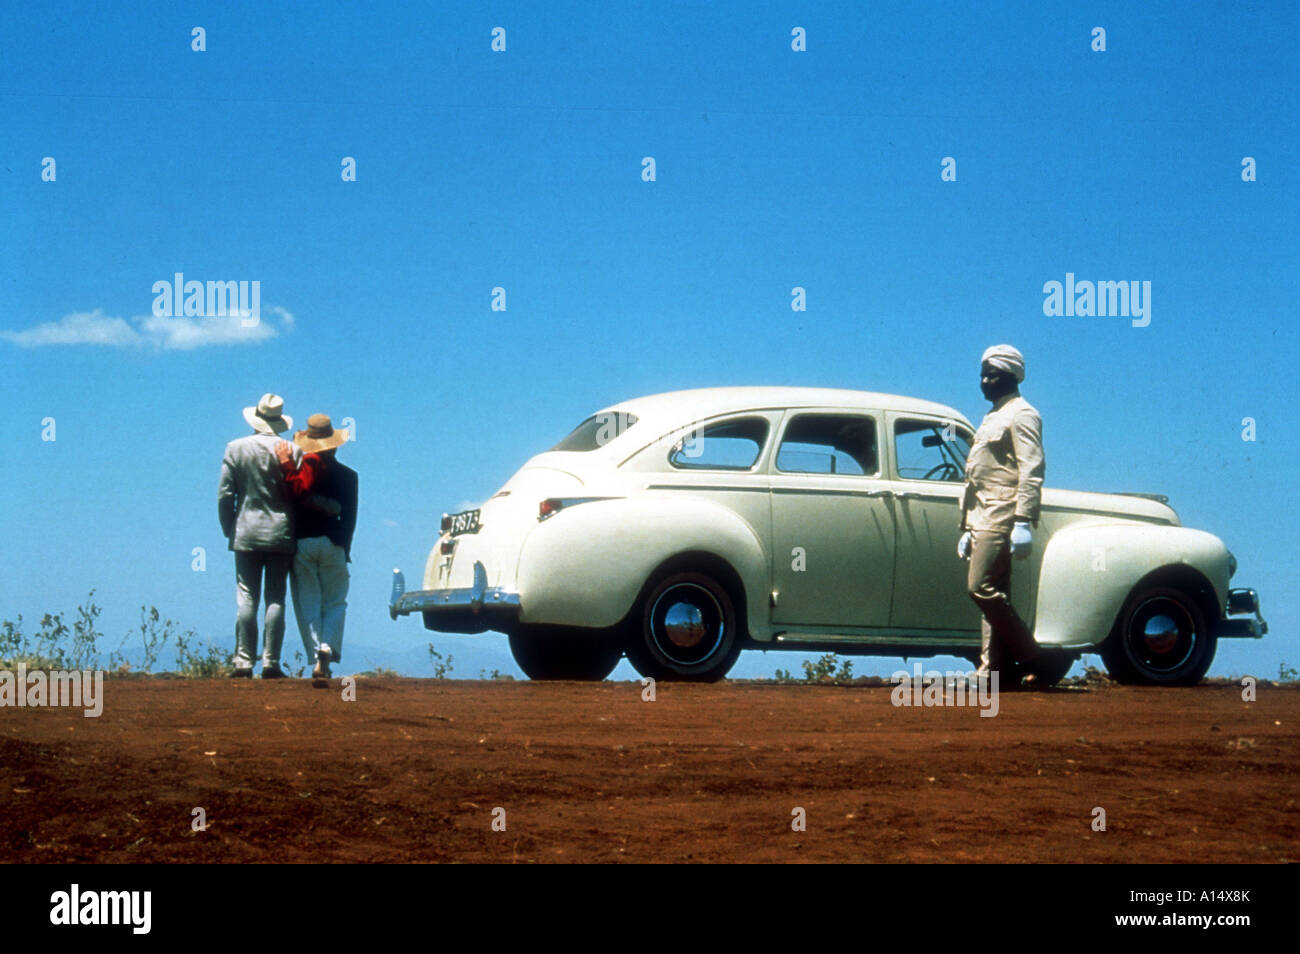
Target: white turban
1003, 357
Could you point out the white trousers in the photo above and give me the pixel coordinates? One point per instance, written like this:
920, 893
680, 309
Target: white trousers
319, 583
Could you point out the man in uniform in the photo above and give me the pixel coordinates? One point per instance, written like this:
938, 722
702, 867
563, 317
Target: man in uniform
1004, 481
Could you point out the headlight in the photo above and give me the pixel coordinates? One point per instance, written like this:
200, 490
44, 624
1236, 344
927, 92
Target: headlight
1232, 565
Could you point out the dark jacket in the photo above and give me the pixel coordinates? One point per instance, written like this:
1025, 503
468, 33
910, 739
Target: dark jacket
338, 482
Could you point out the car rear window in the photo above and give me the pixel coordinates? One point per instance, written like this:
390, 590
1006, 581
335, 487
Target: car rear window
727, 445
597, 431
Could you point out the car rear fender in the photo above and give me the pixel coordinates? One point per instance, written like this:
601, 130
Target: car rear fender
507, 518
587, 564
1089, 570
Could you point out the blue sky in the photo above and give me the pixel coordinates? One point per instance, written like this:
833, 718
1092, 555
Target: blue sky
522, 169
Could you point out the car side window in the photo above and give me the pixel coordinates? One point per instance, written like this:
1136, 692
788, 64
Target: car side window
926, 450
727, 445
829, 444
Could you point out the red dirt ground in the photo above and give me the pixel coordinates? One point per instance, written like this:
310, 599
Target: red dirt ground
413, 770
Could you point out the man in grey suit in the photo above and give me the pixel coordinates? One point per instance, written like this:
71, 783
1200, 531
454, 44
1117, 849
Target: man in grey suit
256, 513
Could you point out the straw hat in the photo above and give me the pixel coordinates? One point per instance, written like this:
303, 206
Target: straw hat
268, 416
320, 435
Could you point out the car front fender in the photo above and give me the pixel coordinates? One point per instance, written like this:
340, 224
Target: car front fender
1089, 570
586, 564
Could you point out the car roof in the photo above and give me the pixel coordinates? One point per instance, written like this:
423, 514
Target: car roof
697, 404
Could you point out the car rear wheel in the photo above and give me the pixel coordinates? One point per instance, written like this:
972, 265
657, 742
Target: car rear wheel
686, 630
547, 652
1161, 638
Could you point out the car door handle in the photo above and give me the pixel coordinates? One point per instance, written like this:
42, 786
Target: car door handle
908, 495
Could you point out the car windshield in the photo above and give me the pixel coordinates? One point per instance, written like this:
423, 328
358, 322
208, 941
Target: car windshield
597, 431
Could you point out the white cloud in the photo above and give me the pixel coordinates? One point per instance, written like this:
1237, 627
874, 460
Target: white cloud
93, 328
185, 334
167, 334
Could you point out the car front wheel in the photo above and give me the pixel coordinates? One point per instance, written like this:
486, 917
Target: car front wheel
1161, 638
1050, 666
545, 652
686, 630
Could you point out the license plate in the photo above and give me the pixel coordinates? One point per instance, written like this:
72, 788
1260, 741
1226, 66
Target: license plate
464, 522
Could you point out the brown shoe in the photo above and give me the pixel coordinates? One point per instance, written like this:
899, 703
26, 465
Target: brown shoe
320, 676
322, 670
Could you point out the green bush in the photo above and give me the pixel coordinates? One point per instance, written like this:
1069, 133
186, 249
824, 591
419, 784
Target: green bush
824, 670
207, 663
46, 650
441, 667
60, 646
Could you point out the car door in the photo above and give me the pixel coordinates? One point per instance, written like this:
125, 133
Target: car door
929, 457
832, 525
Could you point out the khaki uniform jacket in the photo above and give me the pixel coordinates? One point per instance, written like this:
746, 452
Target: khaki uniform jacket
253, 502
1004, 470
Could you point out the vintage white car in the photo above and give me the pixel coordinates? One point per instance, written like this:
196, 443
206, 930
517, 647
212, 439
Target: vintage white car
681, 528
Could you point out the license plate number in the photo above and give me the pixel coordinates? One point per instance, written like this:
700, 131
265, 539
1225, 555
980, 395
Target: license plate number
464, 522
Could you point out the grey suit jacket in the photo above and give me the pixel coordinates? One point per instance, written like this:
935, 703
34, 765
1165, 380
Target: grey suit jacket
253, 501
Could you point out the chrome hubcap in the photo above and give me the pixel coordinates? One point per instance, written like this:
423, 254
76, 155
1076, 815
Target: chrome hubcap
1162, 634
686, 624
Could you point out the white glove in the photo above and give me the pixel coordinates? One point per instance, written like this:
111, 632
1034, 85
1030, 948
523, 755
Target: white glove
1022, 540
963, 546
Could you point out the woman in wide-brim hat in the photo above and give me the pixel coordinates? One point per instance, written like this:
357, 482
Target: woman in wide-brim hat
320, 435
325, 518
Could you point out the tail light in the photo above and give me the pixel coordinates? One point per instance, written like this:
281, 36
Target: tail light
553, 505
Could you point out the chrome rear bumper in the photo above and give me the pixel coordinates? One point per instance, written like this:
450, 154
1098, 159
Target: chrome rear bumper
472, 609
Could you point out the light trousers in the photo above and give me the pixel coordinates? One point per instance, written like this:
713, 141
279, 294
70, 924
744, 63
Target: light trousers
1004, 636
250, 566
320, 595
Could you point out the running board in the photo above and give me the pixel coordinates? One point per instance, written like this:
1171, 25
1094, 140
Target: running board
946, 638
